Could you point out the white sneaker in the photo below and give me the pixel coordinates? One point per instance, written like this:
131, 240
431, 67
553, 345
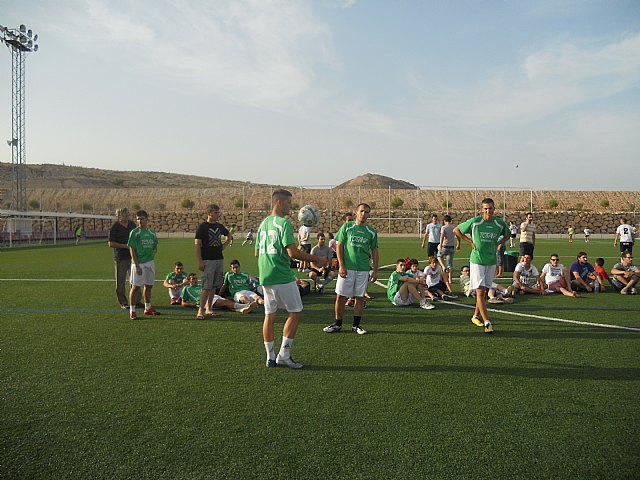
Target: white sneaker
287, 362
249, 308
426, 304
359, 330
333, 328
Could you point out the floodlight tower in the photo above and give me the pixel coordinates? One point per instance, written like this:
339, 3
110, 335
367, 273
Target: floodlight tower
20, 42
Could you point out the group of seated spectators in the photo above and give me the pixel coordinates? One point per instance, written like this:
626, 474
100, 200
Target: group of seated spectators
581, 276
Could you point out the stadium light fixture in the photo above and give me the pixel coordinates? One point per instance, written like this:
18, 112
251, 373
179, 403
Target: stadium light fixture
20, 41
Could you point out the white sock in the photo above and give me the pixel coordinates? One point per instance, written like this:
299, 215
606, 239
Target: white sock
271, 354
132, 308
147, 306
285, 348
239, 306
487, 323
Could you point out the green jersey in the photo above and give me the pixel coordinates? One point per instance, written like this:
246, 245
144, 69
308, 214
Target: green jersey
191, 294
145, 244
484, 235
274, 264
393, 284
237, 282
359, 241
178, 278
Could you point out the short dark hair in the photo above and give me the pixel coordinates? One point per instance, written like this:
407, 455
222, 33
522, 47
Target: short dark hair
581, 254
414, 261
281, 194
320, 234
600, 261
363, 205
529, 213
142, 213
401, 260
178, 264
213, 208
447, 218
234, 262
488, 201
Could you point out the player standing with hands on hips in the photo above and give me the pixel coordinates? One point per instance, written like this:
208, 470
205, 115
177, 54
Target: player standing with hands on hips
276, 246
356, 242
485, 230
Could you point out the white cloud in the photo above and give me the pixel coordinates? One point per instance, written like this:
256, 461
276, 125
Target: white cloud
545, 83
252, 52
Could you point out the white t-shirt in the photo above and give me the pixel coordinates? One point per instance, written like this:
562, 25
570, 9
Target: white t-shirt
526, 274
433, 230
304, 235
552, 274
432, 275
587, 232
626, 233
513, 229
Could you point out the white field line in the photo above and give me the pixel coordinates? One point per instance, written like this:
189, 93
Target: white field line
528, 315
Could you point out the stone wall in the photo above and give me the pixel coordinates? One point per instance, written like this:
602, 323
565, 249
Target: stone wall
402, 222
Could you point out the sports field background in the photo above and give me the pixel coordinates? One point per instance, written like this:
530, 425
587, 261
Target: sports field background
87, 393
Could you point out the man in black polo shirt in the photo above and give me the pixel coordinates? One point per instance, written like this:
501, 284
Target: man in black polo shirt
208, 247
118, 238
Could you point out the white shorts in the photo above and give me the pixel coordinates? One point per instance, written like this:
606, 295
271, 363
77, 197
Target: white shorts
399, 302
177, 293
353, 285
244, 293
286, 296
147, 277
481, 275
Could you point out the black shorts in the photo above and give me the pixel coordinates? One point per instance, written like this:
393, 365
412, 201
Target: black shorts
432, 249
306, 248
526, 248
439, 286
626, 246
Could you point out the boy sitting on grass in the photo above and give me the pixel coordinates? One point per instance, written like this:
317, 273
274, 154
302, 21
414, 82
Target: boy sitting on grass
174, 282
191, 299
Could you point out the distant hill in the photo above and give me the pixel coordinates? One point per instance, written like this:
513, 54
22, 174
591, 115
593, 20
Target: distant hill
372, 180
64, 176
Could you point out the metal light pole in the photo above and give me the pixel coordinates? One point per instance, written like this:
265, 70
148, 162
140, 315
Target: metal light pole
20, 42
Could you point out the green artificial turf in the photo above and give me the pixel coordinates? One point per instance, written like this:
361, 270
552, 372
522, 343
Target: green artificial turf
87, 393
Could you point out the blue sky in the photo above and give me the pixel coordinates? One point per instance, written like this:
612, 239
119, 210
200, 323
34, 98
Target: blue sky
438, 93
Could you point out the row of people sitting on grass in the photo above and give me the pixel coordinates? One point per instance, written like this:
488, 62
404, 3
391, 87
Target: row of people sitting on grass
405, 287
581, 276
184, 290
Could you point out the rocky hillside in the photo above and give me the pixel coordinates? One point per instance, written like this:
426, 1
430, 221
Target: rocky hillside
77, 189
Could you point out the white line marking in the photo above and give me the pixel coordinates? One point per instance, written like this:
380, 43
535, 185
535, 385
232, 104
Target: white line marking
541, 317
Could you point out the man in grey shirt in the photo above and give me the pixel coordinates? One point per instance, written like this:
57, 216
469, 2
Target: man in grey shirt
318, 271
449, 243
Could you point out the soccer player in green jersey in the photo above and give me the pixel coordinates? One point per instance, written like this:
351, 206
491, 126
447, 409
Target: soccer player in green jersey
192, 293
275, 246
239, 285
356, 243
174, 282
485, 230
143, 245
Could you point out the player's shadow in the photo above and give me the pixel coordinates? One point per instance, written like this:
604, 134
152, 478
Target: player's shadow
545, 370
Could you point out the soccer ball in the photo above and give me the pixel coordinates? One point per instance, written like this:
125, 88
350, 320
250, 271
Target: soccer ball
308, 215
